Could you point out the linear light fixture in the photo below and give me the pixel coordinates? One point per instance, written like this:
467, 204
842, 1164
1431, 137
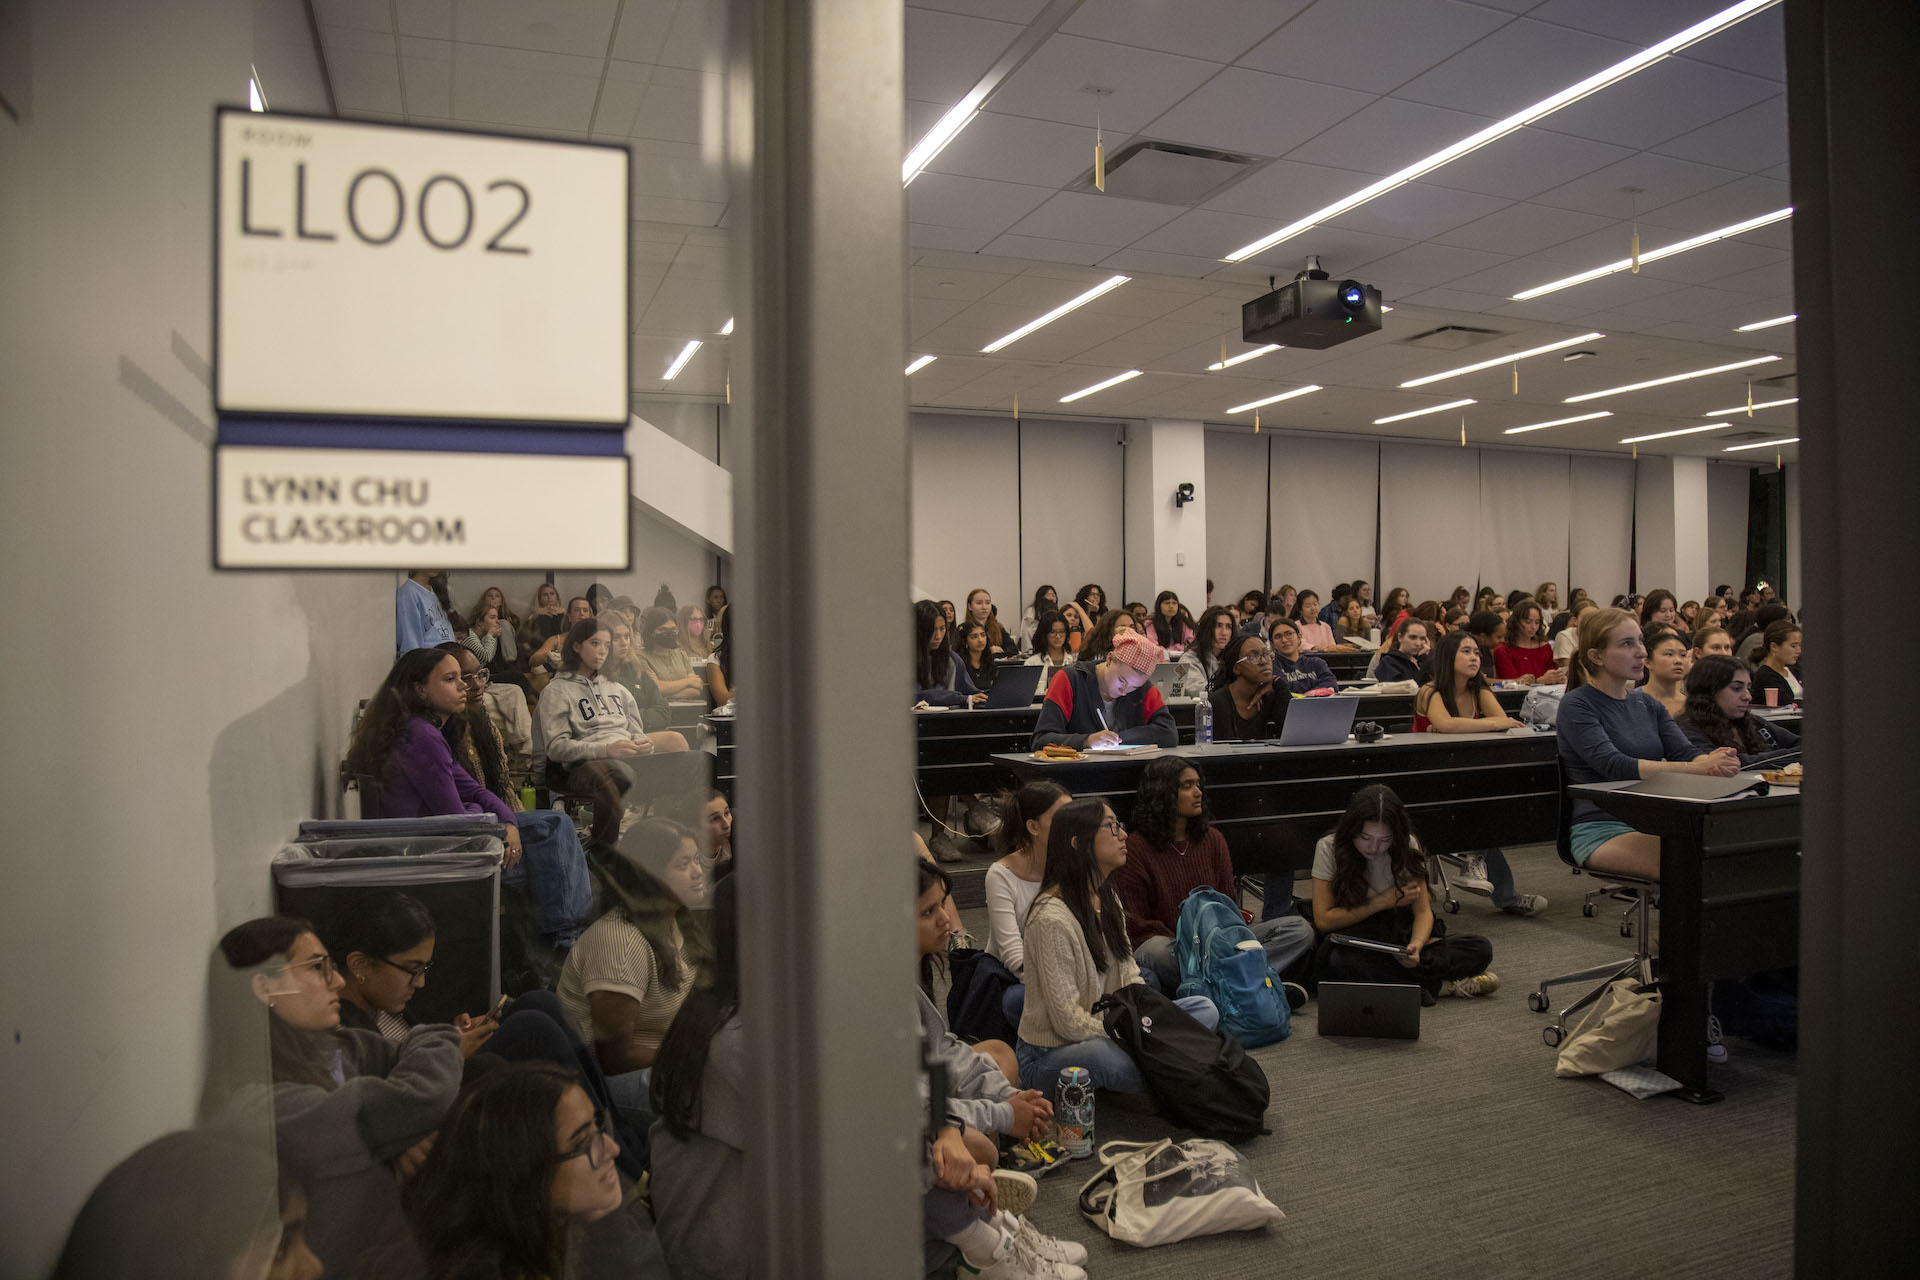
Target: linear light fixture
1421, 413
1500, 128
680, 361
919, 364
1111, 282
1767, 324
941, 134
1760, 444
727, 328
1667, 435
1741, 408
1284, 395
256, 100
1114, 381
1497, 361
1674, 377
1559, 422
1667, 251
1243, 357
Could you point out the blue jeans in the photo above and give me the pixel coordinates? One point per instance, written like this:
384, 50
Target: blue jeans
1013, 1002
1500, 875
554, 870
1284, 938
1104, 1060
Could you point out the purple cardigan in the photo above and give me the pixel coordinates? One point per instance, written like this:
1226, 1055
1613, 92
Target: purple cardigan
421, 779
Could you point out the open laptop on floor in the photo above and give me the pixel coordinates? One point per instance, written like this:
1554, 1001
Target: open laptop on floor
1381, 1010
1318, 722
1013, 687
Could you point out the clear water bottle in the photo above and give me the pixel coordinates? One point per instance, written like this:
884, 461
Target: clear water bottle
1073, 1111
1203, 721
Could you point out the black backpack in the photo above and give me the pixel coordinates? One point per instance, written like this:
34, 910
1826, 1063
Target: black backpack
979, 982
1201, 1079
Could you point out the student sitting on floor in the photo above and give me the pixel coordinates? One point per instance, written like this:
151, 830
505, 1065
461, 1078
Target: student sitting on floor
1411, 658
1668, 658
1370, 881
1201, 659
939, 677
1077, 952
1778, 666
1610, 731
1302, 673
1051, 652
1108, 701
1248, 702
1174, 849
1717, 714
1012, 883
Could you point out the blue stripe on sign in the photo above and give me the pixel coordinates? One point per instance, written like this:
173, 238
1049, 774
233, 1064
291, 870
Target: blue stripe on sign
448, 436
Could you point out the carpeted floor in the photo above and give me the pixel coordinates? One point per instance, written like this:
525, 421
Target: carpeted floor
1463, 1153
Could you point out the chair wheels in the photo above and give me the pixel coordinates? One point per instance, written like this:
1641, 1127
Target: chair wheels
1453, 906
1586, 909
1537, 1001
1553, 1035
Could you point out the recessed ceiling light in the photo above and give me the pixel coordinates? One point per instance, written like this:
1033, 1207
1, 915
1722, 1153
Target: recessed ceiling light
1741, 408
1243, 357
1760, 444
727, 328
1676, 377
1684, 431
1559, 422
1500, 128
1284, 395
1667, 251
1497, 361
680, 361
1421, 413
1767, 324
1111, 282
920, 364
1114, 381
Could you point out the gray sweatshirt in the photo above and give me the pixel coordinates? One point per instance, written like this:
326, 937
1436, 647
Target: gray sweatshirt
698, 1181
580, 717
976, 1091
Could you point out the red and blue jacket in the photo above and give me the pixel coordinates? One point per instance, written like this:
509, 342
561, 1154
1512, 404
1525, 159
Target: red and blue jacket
1071, 712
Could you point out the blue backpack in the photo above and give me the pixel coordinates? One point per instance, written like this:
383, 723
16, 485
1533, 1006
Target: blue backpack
1213, 964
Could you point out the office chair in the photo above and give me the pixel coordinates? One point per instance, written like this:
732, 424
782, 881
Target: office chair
1641, 893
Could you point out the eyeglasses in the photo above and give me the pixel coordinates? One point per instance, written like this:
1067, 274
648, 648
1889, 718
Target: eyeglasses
1113, 825
482, 676
321, 964
1261, 656
593, 1147
417, 972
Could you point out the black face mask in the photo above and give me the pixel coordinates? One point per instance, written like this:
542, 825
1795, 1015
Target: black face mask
666, 638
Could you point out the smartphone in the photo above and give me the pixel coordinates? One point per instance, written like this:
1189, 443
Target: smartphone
499, 1008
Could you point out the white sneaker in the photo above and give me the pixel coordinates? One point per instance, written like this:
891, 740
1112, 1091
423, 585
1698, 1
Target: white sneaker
1014, 1260
1526, 904
1051, 1248
1473, 876
1014, 1191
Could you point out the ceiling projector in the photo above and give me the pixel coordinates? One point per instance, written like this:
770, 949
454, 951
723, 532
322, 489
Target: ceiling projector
1313, 312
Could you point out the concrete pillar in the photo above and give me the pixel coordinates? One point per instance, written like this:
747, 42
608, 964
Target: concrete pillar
1166, 544
1670, 526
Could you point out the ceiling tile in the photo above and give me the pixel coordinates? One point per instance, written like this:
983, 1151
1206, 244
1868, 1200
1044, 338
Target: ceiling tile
1417, 211
1431, 264
1286, 189
531, 91
1133, 261
1754, 139
1756, 46
673, 108
643, 29
1217, 30
1724, 205
365, 81
1619, 290
1388, 135
355, 40
696, 213
1774, 281
1092, 219
947, 53
1206, 233
696, 38
1642, 22
432, 18
943, 199
1021, 11
1047, 250
1268, 115
1515, 67
582, 27
950, 282
1662, 181
622, 94
1712, 262
1523, 228
429, 85
1665, 100
364, 15
685, 177
1145, 83
1525, 163
1019, 149
1343, 41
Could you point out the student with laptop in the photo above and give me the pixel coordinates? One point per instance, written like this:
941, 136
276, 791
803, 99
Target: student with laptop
1249, 705
1370, 885
1108, 703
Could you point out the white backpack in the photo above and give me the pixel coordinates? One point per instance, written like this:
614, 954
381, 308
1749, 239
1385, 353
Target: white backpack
1149, 1193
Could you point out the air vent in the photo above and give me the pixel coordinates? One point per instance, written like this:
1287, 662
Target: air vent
1741, 437
1449, 337
1170, 173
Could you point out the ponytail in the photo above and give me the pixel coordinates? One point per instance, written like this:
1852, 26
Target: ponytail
1596, 629
1019, 807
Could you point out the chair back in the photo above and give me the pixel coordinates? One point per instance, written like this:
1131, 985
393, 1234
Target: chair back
1563, 830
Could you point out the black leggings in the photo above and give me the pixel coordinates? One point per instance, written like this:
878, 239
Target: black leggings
1446, 957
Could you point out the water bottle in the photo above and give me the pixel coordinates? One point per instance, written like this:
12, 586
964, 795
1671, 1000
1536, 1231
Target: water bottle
1073, 1111
1203, 721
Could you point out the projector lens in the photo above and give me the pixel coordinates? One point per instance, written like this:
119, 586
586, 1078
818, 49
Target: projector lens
1352, 295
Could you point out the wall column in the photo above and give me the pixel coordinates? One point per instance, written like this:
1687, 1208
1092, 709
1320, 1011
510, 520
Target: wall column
1166, 544
1670, 527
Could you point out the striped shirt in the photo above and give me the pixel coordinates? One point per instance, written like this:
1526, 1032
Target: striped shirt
613, 955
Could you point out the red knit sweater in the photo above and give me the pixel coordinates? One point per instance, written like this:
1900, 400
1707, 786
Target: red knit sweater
1154, 882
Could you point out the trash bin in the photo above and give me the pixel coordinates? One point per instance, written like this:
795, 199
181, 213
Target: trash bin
452, 865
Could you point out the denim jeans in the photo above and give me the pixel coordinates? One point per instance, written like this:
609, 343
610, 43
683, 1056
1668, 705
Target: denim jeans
1284, 938
553, 867
1500, 875
1013, 1002
1104, 1060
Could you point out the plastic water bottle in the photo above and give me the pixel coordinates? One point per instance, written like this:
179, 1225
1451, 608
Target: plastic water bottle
1073, 1111
1203, 721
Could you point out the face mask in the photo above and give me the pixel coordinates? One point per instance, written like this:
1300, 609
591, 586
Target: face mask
663, 639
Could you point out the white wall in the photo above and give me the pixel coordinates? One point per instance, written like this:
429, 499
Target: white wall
147, 796
1071, 527
1524, 499
1429, 519
1323, 496
1670, 526
966, 513
1236, 494
1599, 530
1166, 544
1728, 486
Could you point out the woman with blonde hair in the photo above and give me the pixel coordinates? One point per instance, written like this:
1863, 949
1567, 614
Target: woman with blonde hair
693, 633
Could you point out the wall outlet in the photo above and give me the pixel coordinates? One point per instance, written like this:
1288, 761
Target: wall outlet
1180, 559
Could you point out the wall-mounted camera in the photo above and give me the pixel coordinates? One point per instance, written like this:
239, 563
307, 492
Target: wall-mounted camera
1183, 495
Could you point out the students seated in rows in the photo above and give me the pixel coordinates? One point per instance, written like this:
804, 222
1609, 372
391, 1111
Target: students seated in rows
719, 671
1314, 634
1547, 596
976, 654
1045, 600
662, 657
1370, 881
491, 640
1778, 669
1051, 653
1411, 658
1526, 656
623, 668
693, 633
1668, 657
1567, 638
1398, 604
1173, 848
1489, 631
1252, 611
1099, 641
1610, 731
1712, 640
1108, 701
939, 676
1026, 820
980, 611
1719, 696
1137, 610
1092, 599
1750, 632
354, 1104
1077, 951
709, 815
1301, 674
1659, 609
1351, 628
1169, 626
474, 735
1201, 661
1249, 704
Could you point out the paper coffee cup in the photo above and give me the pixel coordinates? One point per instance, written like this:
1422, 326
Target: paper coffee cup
1773, 697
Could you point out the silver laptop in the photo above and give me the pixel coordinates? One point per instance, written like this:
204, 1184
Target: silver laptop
1318, 722
1165, 678
1381, 1010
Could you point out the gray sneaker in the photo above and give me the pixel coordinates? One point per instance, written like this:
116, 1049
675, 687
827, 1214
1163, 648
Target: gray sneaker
1526, 904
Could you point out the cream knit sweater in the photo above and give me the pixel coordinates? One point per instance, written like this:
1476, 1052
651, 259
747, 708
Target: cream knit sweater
1062, 983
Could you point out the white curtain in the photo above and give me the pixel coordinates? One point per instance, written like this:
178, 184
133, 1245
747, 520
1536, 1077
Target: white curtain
1323, 495
1071, 480
966, 513
1429, 519
1236, 503
1727, 491
1523, 520
1599, 527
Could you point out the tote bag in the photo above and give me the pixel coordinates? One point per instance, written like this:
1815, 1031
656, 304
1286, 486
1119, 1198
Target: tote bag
1149, 1193
1626, 1035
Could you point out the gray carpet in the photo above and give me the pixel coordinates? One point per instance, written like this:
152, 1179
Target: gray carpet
1463, 1153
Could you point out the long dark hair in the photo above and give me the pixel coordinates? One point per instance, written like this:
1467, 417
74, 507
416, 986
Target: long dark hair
1165, 630
377, 924
1043, 627
1651, 605
1040, 602
927, 875
473, 723
1702, 713
577, 634
1074, 874
1026, 803
1098, 642
297, 1056
1156, 805
680, 1068
1202, 645
1084, 596
483, 1194
393, 704
988, 663
1444, 676
1298, 613
1376, 803
931, 665
630, 885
